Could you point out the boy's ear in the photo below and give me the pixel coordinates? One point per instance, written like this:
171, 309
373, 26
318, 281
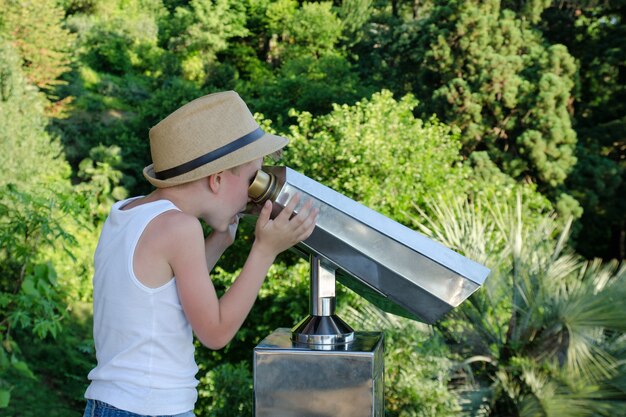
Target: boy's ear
215, 181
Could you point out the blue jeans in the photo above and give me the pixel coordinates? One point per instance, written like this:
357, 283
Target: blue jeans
97, 408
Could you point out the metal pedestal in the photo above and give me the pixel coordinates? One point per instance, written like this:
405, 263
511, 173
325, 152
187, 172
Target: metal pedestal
299, 380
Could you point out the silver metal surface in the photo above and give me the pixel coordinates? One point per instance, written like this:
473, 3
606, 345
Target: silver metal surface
322, 326
322, 330
399, 270
292, 380
322, 294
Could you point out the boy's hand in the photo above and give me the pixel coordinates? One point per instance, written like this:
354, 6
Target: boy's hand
275, 236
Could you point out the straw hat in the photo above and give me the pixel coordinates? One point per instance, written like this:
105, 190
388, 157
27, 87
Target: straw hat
205, 136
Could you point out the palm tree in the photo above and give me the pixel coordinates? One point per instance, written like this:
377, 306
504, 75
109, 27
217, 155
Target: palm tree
545, 335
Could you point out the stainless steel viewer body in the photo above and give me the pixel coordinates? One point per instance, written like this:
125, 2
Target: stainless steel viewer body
322, 362
396, 268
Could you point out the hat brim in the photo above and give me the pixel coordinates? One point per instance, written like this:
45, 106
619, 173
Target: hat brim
265, 145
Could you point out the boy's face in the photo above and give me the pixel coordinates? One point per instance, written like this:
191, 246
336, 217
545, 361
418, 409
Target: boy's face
235, 188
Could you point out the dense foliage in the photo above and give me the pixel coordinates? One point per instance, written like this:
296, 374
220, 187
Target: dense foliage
496, 127
545, 336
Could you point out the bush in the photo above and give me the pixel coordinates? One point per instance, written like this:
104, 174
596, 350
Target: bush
417, 368
376, 152
226, 391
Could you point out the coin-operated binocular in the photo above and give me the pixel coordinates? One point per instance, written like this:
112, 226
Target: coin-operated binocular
322, 367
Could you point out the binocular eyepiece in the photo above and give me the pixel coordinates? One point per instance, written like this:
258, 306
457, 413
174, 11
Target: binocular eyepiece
263, 187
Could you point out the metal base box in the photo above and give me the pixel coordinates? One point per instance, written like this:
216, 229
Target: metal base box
292, 380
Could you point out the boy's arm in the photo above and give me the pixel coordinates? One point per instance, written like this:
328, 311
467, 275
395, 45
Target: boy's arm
215, 321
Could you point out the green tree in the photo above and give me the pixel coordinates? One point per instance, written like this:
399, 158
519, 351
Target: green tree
101, 180
354, 14
227, 391
595, 34
306, 83
30, 297
28, 154
36, 28
480, 67
198, 32
485, 70
376, 152
545, 334
313, 29
306, 67
120, 37
137, 64
35, 205
119, 69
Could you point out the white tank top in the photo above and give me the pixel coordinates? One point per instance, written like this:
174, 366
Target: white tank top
144, 343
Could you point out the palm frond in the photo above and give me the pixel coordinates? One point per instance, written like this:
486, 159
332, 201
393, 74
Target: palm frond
554, 393
550, 324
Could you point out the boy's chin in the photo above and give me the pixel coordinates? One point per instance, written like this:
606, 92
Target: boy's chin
225, 226
220, 228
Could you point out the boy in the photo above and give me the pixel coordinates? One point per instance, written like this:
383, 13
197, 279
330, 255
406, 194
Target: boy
152, 263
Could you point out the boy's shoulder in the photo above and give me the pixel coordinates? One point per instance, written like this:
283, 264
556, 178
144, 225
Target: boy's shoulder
174, 229
176, 221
